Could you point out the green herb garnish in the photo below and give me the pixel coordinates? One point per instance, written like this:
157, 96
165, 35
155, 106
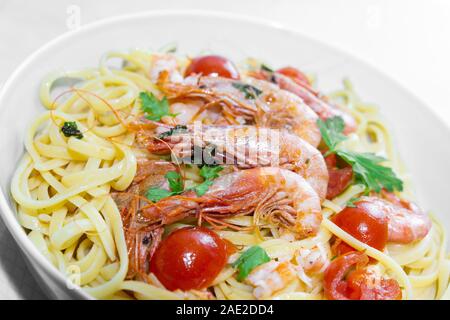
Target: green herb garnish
249, 260
250, 91
266, 68
202, 187
175, 184
370, 172
70, 129
366, 166
331, 130
175, 181
175, 130
154, 108
156, 194
209, 173
351, 203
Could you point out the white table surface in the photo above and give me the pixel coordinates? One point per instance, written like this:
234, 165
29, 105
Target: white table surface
407, 39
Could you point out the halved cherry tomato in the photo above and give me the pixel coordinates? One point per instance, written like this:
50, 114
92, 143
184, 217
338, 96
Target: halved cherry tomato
339, 178
364, 287
189, 258
334, 285
341, 282
296, 75
340, 247
365, 223
210, 65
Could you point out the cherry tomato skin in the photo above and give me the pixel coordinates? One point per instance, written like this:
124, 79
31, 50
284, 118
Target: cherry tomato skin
365, 223
361, 287
341, 248
209, 65
189, 258
296, 75
338, 178
335, 286
338, 181
340, 283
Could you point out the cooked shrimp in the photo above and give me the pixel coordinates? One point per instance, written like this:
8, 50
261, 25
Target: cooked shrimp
164, 65
149, 173
406, 221
314, 260
313, 99
271, 277
247, 101
141, 241
189, 110
278, 195
311, 263
248, 147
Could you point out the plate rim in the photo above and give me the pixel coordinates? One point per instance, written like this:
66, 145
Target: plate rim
7, 213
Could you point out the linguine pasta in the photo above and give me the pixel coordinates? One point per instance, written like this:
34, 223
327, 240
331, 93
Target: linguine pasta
63, 186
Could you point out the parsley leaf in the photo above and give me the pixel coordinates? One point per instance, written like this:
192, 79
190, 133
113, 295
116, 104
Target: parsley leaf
176, 187
369, 171
202, 187
351, 203
249, 260
154, 109
331, 130
156, 194
175, 181
209, 173
366, 166
70, 129
250, 91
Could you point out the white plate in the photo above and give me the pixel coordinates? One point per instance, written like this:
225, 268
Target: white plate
421, 138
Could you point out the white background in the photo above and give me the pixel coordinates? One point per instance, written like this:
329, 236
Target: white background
409, 40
